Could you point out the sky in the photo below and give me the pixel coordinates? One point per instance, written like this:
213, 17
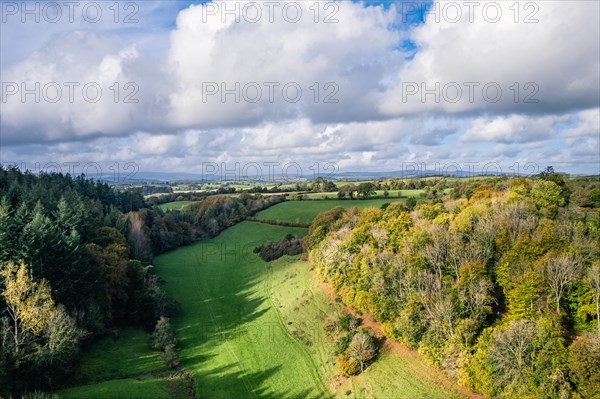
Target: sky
174, 86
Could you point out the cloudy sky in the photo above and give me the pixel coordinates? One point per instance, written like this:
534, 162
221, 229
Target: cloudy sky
170, 85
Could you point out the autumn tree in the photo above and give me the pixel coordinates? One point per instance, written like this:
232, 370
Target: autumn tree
138, 237
28, 304
594, 282
560, 272
41, 332
362, 348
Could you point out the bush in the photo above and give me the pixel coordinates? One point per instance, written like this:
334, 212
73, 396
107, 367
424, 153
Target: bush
163, 335
169, 356
342, 343
272, 250
347, 365
348, 322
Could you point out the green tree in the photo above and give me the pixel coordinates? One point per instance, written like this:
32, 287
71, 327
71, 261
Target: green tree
6, 231
365, 190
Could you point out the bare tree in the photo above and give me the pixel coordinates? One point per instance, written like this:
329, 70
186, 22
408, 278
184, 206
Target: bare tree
362, 348
436, 253
560, 272
511, 348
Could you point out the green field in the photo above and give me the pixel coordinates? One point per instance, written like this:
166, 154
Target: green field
128, 388
305, 211
231, 338
118, 367
175, 205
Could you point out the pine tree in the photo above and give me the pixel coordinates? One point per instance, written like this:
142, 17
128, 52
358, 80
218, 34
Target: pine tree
6, 229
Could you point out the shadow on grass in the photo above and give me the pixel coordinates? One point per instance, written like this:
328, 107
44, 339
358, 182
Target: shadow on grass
229, 342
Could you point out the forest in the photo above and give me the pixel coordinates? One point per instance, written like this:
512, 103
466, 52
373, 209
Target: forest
76, 260
496, 283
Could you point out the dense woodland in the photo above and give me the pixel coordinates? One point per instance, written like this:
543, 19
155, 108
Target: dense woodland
75, 261
498, 283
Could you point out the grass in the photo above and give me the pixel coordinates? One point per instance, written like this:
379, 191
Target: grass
303, 308
128, 388
231, 338
121, 366
175, 205
305, 211
125, 355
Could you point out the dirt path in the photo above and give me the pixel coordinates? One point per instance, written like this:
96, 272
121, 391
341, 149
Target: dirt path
391, 346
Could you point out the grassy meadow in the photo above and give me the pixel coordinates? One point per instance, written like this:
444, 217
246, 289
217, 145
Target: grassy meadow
174, 206
306, 211
121, 366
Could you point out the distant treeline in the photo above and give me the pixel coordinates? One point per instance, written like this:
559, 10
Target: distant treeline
497, 283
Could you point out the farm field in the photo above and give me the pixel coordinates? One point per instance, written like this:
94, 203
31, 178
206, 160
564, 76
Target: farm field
305, 211
231, 338
174, 206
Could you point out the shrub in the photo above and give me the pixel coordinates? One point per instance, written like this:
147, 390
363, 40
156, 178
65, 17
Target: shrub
347, 365
272, 250
163, 334
169, 356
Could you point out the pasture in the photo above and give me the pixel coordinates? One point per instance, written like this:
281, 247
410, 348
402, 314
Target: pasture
305, 211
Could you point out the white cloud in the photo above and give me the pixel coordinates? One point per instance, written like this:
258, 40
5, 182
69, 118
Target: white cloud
559, 55
83, 84
171, 128
512, 128
354, 54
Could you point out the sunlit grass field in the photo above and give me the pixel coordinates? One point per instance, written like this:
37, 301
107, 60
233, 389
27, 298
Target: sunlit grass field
121, 366
232, 339
305, 211
174, 206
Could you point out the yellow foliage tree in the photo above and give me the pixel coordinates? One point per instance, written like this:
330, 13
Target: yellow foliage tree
28, 302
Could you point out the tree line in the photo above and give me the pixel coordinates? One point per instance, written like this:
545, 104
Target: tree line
498, 283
